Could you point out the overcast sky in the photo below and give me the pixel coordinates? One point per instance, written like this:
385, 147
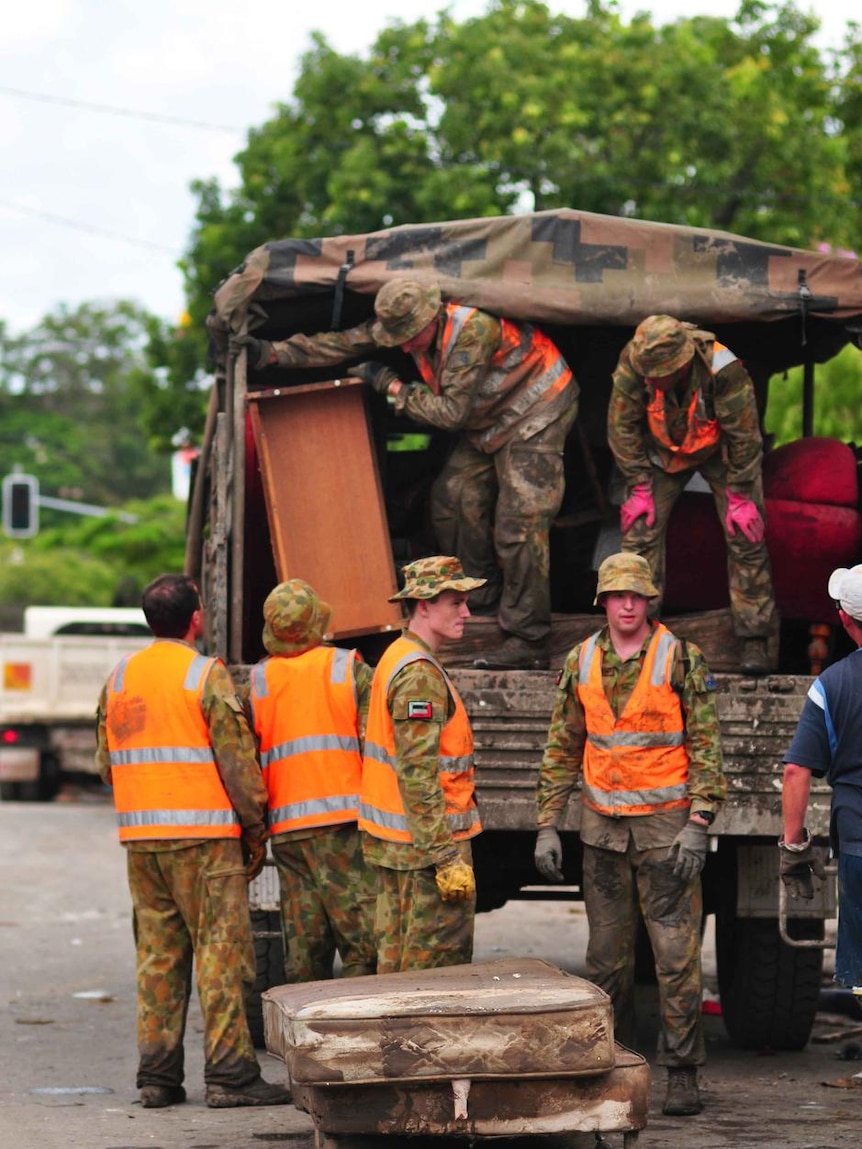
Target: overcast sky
96, 205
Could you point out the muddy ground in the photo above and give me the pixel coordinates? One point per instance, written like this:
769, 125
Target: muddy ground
67, 1021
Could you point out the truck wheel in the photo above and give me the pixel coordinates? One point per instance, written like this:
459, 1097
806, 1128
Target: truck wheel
769, 991
269, 967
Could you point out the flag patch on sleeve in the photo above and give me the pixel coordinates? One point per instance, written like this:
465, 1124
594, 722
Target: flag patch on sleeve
420, 710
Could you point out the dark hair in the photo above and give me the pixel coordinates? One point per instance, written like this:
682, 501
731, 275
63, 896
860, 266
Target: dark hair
169, 603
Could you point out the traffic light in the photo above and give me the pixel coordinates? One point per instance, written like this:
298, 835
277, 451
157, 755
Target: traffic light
20, 506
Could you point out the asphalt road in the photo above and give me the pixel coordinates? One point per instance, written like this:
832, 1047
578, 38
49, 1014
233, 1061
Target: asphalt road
67, 1045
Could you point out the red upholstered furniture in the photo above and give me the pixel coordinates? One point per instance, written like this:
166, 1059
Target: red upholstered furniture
813, 526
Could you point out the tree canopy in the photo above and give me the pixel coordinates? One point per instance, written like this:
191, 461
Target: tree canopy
744, 125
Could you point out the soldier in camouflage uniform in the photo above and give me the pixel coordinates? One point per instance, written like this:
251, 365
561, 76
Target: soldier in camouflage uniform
635, 720
308, 703
176, 748
509, 394
682, 402
418, 808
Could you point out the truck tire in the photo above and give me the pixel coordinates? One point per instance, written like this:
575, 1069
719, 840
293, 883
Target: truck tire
269, 967
769, 991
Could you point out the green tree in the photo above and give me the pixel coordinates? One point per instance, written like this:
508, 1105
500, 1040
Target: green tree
838, 385
71, 404
741, 124
95, 561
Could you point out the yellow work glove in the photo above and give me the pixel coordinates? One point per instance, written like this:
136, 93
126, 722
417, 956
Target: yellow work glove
455, 881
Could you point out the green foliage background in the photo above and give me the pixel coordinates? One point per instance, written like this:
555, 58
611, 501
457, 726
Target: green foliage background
743, 124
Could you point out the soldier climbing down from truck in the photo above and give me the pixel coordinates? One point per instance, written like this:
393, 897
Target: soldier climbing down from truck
683, 402
508, 392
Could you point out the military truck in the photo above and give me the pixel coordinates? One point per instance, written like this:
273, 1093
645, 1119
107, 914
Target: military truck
310, 474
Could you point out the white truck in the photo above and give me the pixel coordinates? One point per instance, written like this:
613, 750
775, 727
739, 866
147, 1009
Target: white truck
50, 678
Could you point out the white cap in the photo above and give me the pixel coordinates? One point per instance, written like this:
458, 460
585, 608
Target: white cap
845, 586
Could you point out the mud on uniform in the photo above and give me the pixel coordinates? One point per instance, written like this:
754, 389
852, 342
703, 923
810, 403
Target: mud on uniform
190, 901
416, 929
733, 463
503, 483
626, 862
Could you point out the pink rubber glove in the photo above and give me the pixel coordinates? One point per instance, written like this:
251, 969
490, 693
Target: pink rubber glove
742, 513
640, 502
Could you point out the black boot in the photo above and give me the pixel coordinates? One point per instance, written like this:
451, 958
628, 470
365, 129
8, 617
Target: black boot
515, 654
683, 1096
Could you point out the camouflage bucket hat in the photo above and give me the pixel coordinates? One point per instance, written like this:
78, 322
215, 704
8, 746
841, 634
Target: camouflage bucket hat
403, 308
625, 572
295, 619
426, 578
660, 346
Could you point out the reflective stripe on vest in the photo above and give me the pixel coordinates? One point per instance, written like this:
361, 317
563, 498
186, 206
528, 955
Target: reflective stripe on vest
702, 433
526, 371
306, 717
165, 780
637, 763
381, 810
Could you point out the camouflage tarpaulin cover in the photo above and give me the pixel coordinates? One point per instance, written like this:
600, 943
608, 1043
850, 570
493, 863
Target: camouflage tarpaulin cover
562, 268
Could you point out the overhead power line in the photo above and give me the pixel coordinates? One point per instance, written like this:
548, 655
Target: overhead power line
78, 225
127, 113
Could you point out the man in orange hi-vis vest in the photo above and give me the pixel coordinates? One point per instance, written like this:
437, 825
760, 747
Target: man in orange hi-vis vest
635, 721
175, 745
308, 702
506, 391
683, 403
417, 805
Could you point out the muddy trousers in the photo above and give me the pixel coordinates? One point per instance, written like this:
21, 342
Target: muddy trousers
328, 900
416, 929
616, 886
192, 905
495, 511
749, 575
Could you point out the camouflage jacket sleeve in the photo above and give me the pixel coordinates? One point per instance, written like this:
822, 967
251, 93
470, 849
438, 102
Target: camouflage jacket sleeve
326, 348
736, 411
707, 786
627, 425
363, 677
564, 751
233, 746
417, 749
103, 759
458, 380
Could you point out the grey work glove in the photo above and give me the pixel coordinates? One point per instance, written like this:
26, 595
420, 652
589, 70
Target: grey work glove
258, 349
689, 846
548, 855
798, 866
377, 374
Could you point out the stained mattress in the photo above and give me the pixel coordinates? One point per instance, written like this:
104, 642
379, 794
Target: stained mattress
515, 1017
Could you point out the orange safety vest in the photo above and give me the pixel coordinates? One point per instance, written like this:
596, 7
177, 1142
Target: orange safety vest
165, 779
381, 811
637, 763
702, 432
306, 716
525, 372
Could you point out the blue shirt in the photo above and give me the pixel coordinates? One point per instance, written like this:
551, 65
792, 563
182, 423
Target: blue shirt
828, 742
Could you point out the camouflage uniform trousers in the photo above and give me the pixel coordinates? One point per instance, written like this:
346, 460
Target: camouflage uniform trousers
615, 885
328, 898
495, 511
749, 575
190, 904
416, 929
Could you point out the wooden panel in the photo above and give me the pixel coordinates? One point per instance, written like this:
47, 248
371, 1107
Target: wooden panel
324, 501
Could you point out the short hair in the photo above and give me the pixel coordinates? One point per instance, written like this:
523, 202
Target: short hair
169, 602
